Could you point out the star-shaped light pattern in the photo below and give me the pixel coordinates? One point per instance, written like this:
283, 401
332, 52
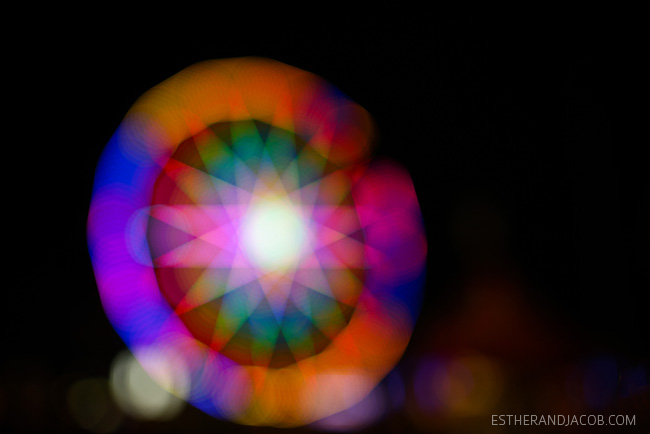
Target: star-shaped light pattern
259, 251
240, 232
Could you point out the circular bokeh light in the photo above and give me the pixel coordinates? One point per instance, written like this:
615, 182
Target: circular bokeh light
239, 228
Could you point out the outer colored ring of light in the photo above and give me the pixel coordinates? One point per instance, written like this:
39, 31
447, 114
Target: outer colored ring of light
377, 334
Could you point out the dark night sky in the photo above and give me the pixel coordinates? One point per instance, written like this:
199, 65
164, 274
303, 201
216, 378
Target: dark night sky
535, 120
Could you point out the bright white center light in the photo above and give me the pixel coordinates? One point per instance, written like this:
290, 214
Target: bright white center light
274, 234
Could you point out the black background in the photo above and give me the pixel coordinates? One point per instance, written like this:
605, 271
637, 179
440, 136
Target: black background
537, 122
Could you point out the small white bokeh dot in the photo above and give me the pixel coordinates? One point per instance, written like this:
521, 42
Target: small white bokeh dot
137, 394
